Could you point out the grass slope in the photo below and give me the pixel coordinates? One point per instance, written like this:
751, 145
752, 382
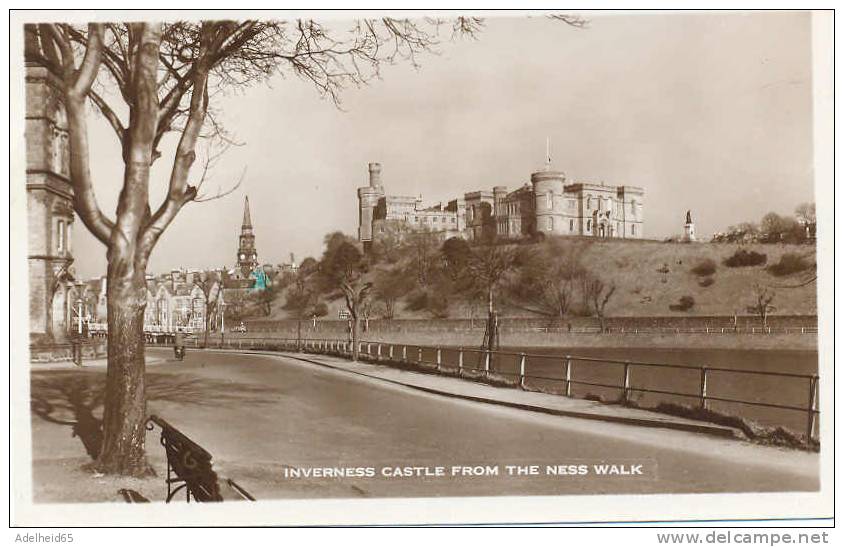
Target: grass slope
643, 290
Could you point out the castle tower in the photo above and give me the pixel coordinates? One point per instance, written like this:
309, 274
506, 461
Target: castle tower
689, 228
548, 192
49, 202
247, 256
368, 197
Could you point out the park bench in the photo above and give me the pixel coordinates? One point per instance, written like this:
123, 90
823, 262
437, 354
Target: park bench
189, 467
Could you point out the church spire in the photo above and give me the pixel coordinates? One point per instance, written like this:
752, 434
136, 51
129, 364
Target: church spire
247, 219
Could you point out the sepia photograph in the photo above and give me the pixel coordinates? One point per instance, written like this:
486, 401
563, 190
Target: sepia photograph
420, 267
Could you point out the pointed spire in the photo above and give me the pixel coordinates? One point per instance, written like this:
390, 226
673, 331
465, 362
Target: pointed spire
247, 219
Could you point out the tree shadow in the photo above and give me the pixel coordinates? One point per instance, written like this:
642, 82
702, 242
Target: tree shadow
75, 398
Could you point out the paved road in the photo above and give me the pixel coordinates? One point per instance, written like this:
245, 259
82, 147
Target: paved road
263, 415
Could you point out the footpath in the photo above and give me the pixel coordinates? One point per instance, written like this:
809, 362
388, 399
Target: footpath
470, 390
86, 364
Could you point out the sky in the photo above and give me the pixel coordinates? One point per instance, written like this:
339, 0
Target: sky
708, 112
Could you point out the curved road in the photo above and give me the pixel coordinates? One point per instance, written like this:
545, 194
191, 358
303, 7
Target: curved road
263, 415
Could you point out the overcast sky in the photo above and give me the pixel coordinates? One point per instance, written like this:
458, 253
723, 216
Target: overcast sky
708, 112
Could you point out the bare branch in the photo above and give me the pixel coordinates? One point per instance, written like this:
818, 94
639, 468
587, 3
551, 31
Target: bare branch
575, 21
220, 193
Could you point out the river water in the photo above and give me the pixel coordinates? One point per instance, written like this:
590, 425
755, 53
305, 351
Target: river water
545, 369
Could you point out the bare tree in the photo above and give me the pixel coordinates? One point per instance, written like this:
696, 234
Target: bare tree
165, 76
302, 300
423, 247
598, 294
343, 269
210, 285
548, 279
762, 298
487, 270
389, 285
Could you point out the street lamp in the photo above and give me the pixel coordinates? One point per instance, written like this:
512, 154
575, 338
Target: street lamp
222, 321
80, 311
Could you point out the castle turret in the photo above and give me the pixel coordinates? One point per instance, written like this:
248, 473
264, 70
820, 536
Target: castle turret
548, 190
368, 197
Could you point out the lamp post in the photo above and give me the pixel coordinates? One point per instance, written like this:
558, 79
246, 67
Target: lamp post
80, 311
222, 320
76, 344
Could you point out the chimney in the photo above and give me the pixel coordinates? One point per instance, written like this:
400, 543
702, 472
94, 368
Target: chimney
375, 175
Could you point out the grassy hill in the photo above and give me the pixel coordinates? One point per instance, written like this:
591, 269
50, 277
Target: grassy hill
650, 276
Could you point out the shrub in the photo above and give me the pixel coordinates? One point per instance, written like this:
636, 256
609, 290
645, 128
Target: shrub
706, 282
790, 263
743, 258
705, 267
418, 300
684, 304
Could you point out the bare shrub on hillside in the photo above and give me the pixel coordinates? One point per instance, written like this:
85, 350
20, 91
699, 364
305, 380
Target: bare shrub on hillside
704, 268
743, 258
791, 263
684, 304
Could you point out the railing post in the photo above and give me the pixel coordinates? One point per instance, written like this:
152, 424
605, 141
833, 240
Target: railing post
486, 362
419, 355
390, 352
626, 393
703, 378
439, 358
404, 353
568, 375
379, 351
813, 403
522, 359
460, 360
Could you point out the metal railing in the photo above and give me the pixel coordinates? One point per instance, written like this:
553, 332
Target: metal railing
461, 362
679, 330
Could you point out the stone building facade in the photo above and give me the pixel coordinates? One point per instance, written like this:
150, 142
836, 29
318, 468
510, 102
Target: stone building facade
549, 204
50, 212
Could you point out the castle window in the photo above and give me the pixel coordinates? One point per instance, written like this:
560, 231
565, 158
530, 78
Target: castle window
67, 237
550, 225
550, 200
60, 237
633, 229
571, 225
588, 225
589, 202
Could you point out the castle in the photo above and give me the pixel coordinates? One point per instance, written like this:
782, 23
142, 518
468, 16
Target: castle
548, 204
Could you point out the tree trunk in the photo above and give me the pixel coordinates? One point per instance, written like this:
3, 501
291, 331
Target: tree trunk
124, 416
355, 348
